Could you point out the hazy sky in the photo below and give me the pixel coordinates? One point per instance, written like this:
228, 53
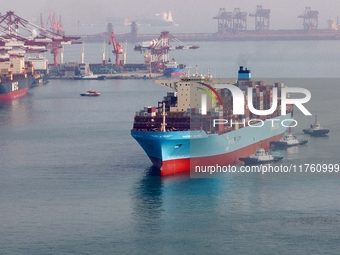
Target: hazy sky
191, 15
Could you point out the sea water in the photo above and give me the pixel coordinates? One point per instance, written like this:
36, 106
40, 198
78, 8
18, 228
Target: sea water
74, 181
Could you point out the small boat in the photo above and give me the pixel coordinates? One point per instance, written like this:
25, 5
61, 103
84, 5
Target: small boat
288, 140
316, 129
91, 93
89, 76
260, 157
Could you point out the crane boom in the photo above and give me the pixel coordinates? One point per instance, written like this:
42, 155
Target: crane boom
117, 48
39, 38
157, 50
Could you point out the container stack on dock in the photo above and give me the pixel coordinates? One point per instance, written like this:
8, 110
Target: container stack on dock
70, 69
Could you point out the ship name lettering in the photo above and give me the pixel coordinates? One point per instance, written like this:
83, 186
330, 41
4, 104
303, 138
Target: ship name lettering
15, 86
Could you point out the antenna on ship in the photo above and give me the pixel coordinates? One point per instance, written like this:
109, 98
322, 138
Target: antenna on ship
163, 129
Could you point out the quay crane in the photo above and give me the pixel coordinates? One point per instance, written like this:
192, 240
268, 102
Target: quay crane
156, 52
261, 18
13, 43
117, 48
56, 44
31, 38
57, 28
310, 19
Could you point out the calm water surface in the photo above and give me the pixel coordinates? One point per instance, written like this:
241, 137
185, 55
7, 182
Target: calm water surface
73, 180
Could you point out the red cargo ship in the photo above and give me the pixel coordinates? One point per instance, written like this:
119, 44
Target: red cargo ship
15, 88
16, 77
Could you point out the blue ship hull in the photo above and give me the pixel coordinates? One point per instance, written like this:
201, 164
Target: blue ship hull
179, 151
174, 72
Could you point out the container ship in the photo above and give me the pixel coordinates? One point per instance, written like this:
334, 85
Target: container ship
40, 64
181, 132
16, 77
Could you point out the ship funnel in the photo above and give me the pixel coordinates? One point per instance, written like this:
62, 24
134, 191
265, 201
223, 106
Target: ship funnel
244, 74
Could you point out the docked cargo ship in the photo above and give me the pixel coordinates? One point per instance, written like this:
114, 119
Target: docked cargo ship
173, 69
181, 132
16, 77
40, 64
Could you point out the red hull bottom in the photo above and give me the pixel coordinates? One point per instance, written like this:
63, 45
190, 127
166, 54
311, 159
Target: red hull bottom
13, 95
177, 74
175, 166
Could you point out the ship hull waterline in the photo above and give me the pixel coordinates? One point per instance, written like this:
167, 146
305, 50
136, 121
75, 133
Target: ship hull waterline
13, 95
174, 166
181, 151
177, 74
14, 89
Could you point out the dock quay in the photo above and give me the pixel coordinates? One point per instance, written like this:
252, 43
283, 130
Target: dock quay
118, 76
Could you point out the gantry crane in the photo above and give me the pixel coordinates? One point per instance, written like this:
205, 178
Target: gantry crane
117, 48
231, 21
239, 20
57, 28
261, 18
310, 19
158, 50
224, 20
56, 24
30, 35
12, 42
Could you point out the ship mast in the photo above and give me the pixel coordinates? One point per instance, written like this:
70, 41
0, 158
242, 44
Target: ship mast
163, 129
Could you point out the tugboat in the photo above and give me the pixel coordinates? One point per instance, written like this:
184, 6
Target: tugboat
260, 157
288, 140
91, 93
316, 129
